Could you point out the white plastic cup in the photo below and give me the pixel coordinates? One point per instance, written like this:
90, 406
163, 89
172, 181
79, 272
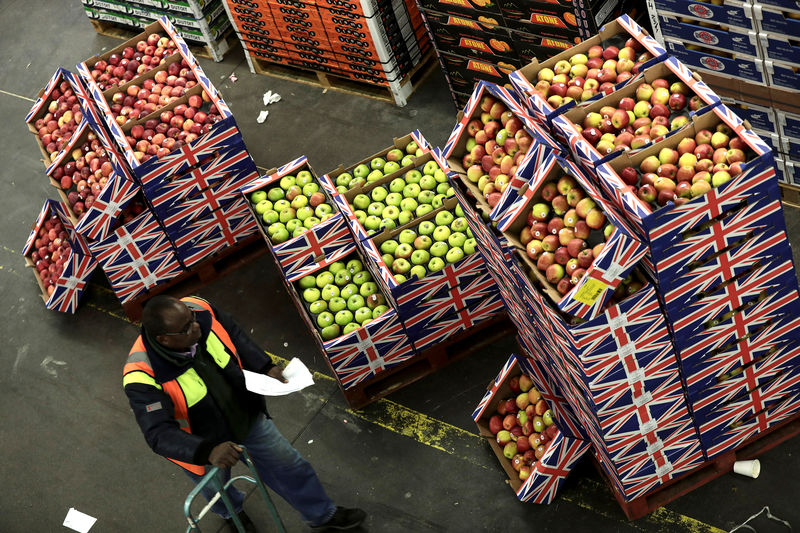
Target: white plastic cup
748, 468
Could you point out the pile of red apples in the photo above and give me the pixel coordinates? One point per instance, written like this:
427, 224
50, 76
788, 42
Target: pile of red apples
173, 128
565, 232
166, 86
523, 425
654, 110
133, 61
696, 165
583, 76
496, 145
62, 118
83, 174
51, 251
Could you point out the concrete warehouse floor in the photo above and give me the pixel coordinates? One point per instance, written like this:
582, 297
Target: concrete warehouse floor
413, 461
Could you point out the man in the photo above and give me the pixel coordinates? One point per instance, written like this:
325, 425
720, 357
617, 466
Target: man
185, 384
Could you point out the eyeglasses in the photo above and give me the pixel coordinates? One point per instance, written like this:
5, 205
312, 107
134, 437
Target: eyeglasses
187, 328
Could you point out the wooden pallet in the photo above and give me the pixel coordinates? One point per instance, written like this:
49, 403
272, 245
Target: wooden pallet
707, 472
109, 29
429, 361
790, 195
201, 274
328, 81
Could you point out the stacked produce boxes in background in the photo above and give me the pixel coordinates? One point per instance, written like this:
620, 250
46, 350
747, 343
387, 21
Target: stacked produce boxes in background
373, 42
490, 40
201, 22
748, 53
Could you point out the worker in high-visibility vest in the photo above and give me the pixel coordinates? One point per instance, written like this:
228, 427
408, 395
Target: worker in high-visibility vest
185, 384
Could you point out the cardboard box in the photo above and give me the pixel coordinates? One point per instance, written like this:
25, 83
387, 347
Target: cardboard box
327, 239
471, 38
736, 66
782, 75
779, 47
529, 46
79, 265
563, 452
439, 329
727, 13
761, 118
775, 20
464, 72
487, 12
136, 257
558, 19
711, 35
615, 32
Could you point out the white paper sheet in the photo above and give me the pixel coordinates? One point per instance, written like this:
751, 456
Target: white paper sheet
79, 521
295, 372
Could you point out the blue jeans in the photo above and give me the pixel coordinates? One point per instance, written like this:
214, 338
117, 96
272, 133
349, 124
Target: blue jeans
283, 470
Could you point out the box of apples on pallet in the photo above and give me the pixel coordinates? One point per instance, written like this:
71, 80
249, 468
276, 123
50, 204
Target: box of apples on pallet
596, 66
60, 258
350, 318
298, 218
515, 418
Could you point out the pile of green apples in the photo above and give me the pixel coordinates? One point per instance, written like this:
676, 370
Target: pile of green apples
378, 167
418, 192
342, 298
429, 247
292, 207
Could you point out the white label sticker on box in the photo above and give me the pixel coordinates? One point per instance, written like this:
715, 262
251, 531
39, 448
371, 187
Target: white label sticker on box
654, 447
618, 322
71, 283
648, 427
125, 239
614, 271
635, 376
664, 469
626, 350
644, 399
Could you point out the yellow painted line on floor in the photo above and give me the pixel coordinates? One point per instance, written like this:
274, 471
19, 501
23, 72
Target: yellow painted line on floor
17, 95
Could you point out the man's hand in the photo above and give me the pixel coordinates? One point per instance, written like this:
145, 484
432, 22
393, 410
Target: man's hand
277, 373
224, 455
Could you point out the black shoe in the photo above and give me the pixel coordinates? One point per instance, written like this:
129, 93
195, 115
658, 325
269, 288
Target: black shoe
342, 520
249, 526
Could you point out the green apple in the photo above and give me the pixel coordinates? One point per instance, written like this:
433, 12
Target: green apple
377, 163
426, 197
397, 184
324, 278
444, 218
287, 214
450, 192
307, 282
388, 223
459, 211
263, 206
310, 188
281, 204
454, 255
355, 265
325, 319
280, 236
310, 222
361, 201
459, 224
342, 278
403, 251
379, 310
376, 208
413, 176
293, 224
430, 167
418, 271
407, 160
361, 277
400, 278
374, 176
388, 259
443, 188
379, 194
275, 194
395, 154
343, 317
426, 227
440, 176
420, 257
373, 223
407, 236
360, 215
348, 290
344, 179
408, 204
361, 171
437, 201
405, 217
330, 332
286, 182
427, 183
272, 228
389, 246
393, 198
411, 190
304, 177
441, 233
469, 234
391, 167
423, 242
401, 266
367, 288
304, 212
330, 291
323, 210
311, 294
436, 264
391, 211
363, 314
299, 201
299, 230
412, 147
355, 302
351, 327
439, 249
469, 246
270, 217
456, 239
293, 192
318, 307
258, 196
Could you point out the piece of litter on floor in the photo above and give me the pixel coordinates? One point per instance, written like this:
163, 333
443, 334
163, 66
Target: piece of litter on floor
311, 441
262, 116
79, 521
233, 77
28, 65
285, 344
267, 96
766, 512
274, 98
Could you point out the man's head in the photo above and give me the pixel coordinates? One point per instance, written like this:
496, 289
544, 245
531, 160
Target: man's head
170, 322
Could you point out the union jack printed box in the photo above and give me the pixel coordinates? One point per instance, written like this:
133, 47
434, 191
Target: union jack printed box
136, 257
328, 239
101, 216
439, 329
224, 227
616, 31
459, 159
424, 306
745, 303
563, 452
620, 254
79, 265
364, 353
665, 226
566, 126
